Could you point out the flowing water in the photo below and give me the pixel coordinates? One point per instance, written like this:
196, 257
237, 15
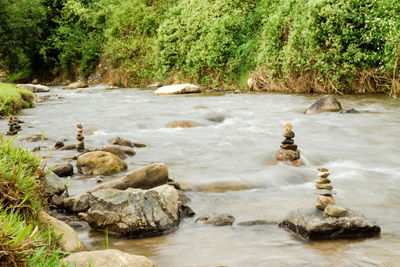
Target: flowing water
361, 150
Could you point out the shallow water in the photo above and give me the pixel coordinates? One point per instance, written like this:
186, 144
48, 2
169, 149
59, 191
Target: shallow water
361, 150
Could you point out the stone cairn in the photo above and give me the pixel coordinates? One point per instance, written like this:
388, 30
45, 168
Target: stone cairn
80, 146
288, 151
325, 200
14, 126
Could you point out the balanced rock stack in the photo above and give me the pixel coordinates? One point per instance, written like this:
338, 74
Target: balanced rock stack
325, 200
80, 146
14, 126
288, 151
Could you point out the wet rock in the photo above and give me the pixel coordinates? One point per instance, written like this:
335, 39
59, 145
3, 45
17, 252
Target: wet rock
335, 210
327, 103
34, 138
107, 258
177, 89
63, 169
57, 200
121, 151
77, 224
39, 148
58, 144
76, 85
216, 118
181, 124
256, 222
77, 203
120, 141
99, 180
283, 155
144, 178
99, 163
155, 85
139, 144
35, 88
54, 185
322, 201
135, 212
69, 147
218, 220
314, 224
70, 241
44, 98
349, 110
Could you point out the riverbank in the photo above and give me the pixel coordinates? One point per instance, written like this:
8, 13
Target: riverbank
13, 99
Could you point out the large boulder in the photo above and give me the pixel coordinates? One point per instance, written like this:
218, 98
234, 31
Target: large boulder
54, 185
313, 224
177, 89
327, 103
76, 85
135, 212
70, 241
107, 258
144, 178
99, 163
63, 169
121, 151
35, 88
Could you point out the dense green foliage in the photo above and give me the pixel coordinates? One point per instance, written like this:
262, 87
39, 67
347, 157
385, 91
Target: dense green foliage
319, 44
13, 99
23, 241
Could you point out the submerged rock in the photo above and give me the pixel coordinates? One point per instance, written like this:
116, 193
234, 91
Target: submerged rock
135, 212
313, 224
177, 89
121, 151
76, 85
181, 124
217, 220
99, 163
107, 258
120, 141
327, 103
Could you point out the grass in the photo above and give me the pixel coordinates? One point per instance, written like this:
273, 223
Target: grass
23, 240
13, 99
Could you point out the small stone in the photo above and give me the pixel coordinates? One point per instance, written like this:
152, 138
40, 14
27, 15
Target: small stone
288, 134
322, 169
99, 180
335, 211
59, 145
325, 192
323, 186
323, 181
288, 141
288, 126
79, 126
322, 201
323, 174
80, 137
289, 147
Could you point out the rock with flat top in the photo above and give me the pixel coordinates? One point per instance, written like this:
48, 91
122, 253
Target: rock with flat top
177, 89
107, 258
35, 88
327, 103
314, 224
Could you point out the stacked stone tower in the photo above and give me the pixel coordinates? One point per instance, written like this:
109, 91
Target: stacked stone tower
13, 125
80, 146
288, 151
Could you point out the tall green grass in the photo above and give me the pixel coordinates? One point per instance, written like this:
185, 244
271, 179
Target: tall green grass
13, 99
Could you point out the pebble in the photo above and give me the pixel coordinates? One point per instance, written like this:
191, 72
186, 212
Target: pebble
335, 211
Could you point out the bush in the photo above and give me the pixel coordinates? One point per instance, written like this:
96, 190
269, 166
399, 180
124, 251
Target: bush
13, 99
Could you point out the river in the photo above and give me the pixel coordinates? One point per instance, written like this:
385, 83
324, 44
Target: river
362, 152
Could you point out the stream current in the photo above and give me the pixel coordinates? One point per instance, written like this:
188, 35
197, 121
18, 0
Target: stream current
234, 143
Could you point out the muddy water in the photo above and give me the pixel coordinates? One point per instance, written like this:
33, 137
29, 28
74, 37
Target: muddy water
362, 152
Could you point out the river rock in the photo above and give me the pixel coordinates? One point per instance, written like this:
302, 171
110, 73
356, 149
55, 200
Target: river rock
70, 241
313, 224
155, 85
34, 138
327, 103
68, 147
335, 210
135, 212
223, 219
181, 124
35, 88
63, 169
99, 163
256, 222
120, 141
144, 178
121, 151
54, 185
76, 85
107, 258
77, 203
177, 89
349, 110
